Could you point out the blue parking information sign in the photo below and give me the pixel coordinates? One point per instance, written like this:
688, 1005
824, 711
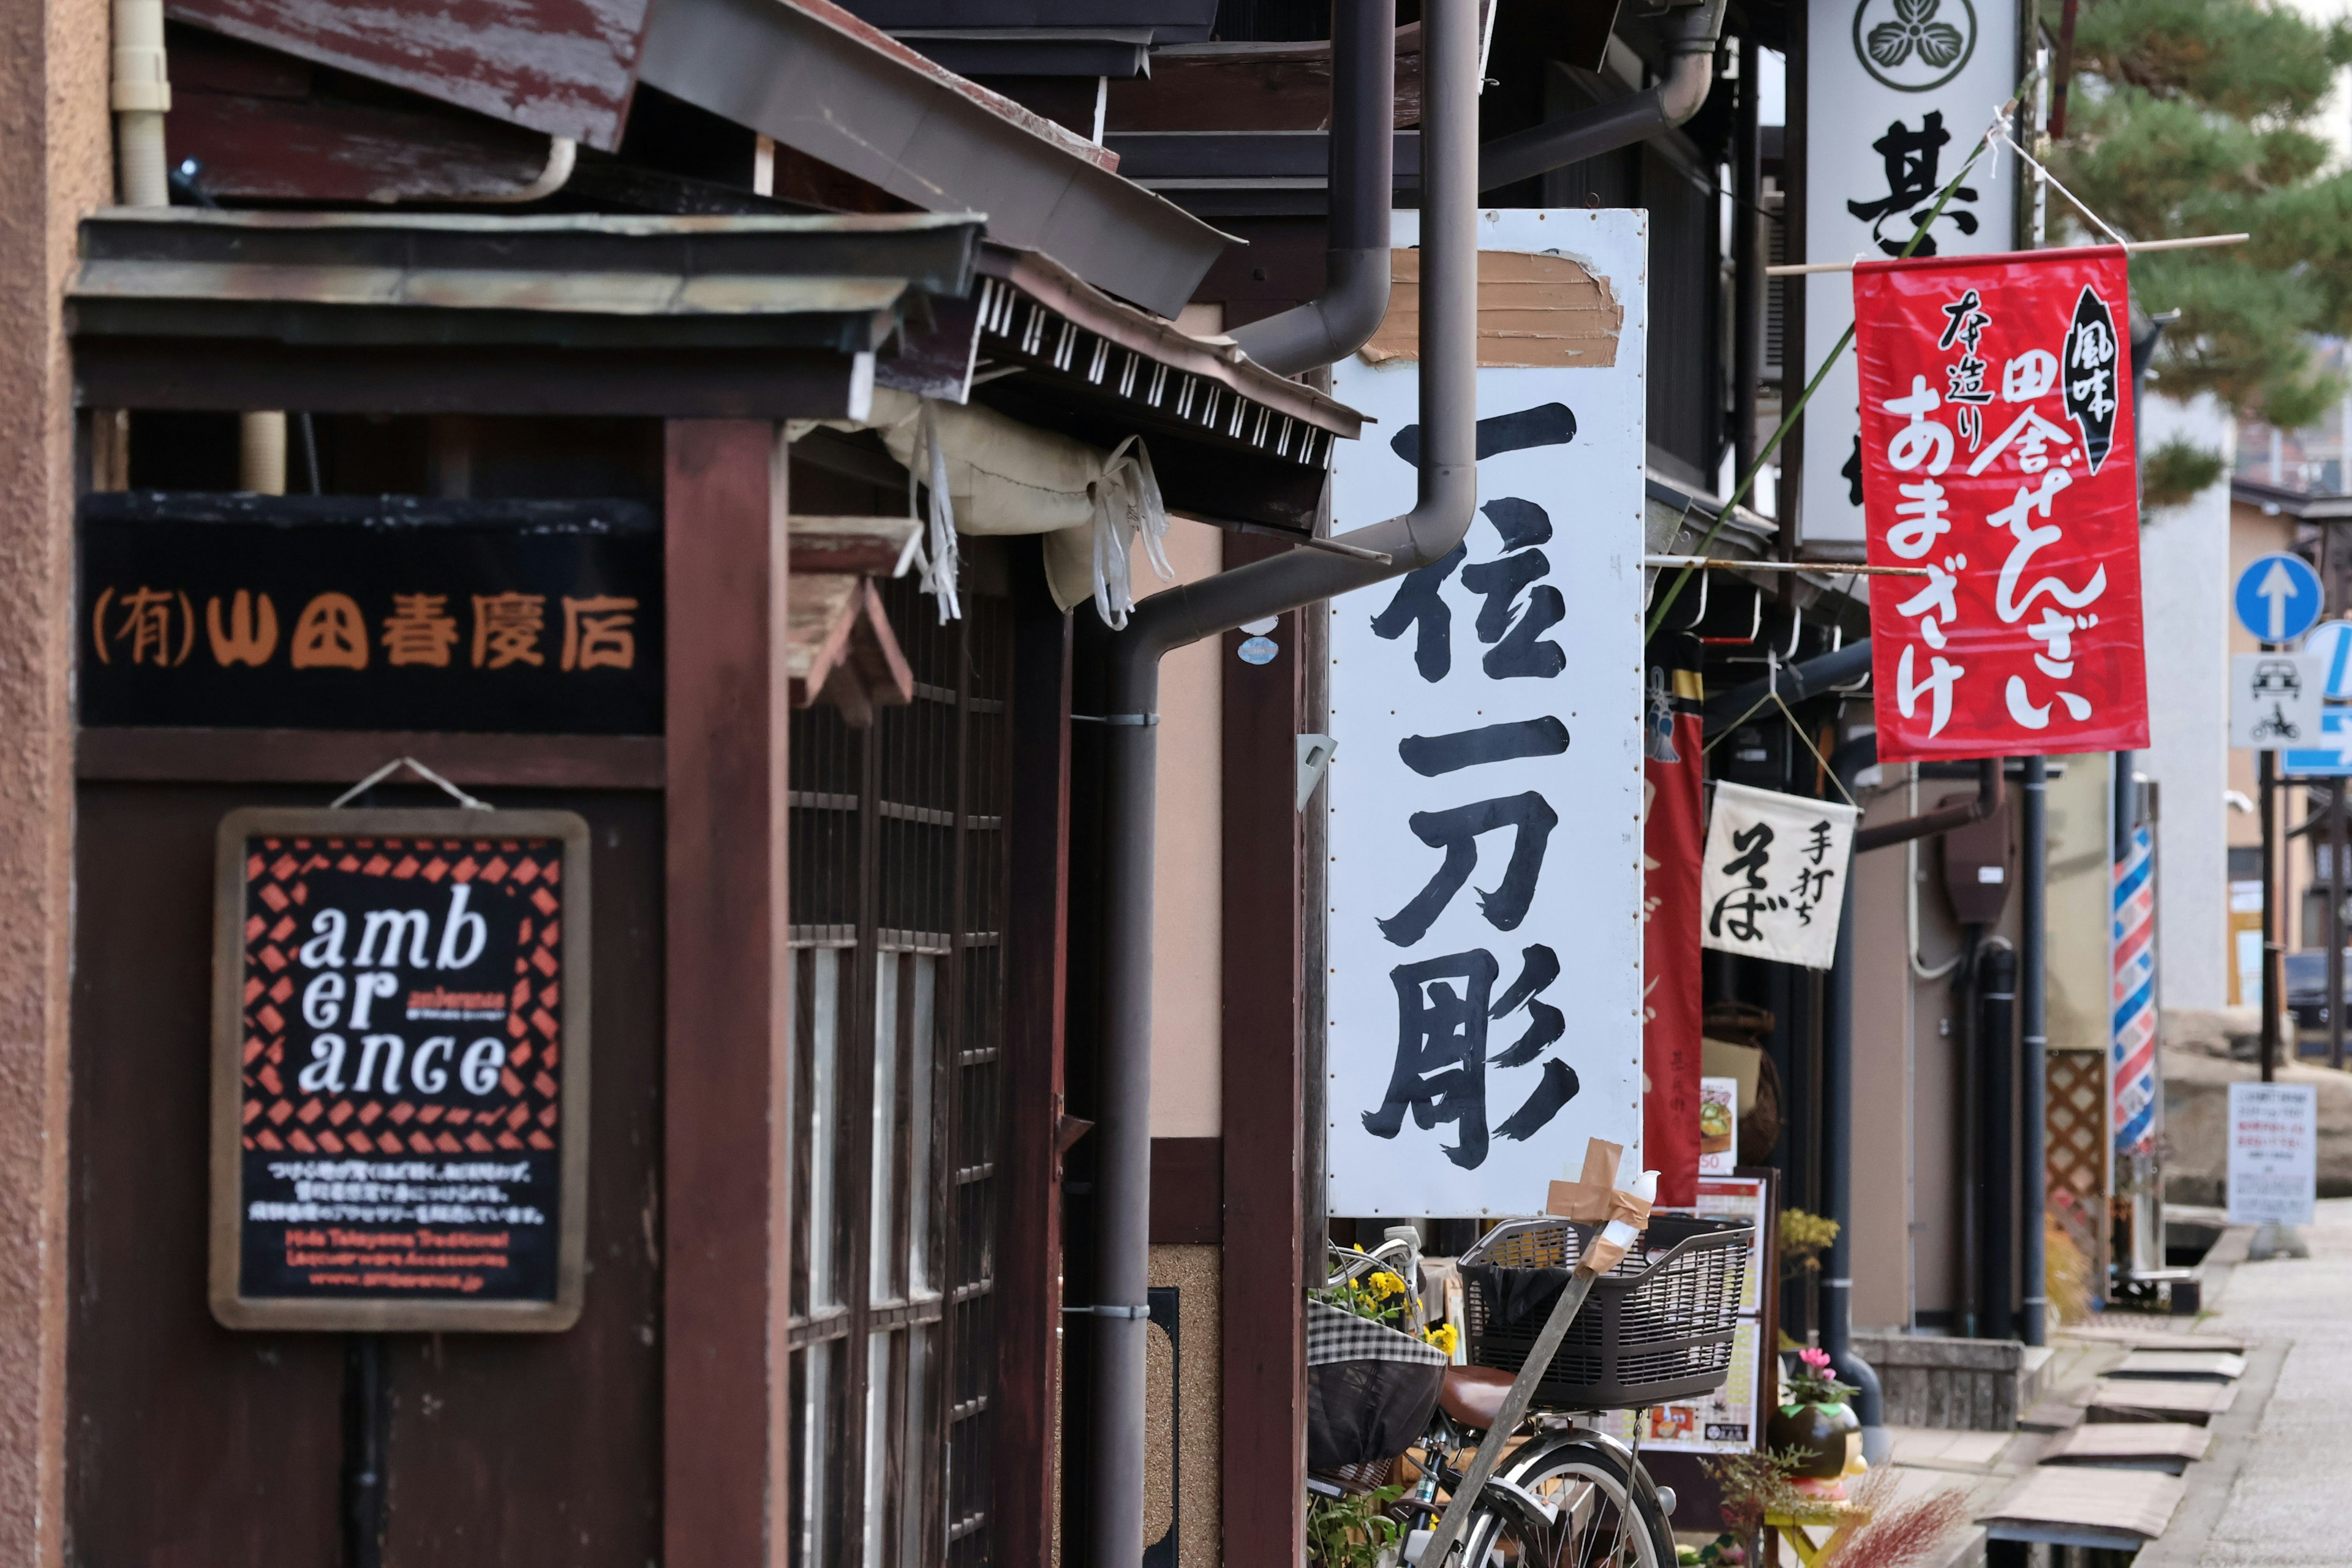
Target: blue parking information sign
2278, 598
2329, 758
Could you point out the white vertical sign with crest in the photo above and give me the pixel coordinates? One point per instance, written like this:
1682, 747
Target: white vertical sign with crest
1897, 93
1485, 803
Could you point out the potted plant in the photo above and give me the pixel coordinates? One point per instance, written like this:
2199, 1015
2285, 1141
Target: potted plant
1815, 1420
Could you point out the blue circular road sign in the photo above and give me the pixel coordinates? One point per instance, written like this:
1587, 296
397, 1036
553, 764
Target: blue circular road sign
2331, 643
2277, 598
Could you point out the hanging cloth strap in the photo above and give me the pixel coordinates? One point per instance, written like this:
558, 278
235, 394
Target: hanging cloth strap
936, 555
1126, 496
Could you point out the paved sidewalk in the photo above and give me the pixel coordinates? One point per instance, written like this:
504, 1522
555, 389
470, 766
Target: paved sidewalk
2272, 1492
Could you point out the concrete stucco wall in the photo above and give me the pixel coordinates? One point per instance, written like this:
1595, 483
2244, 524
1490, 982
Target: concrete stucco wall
1883, 1064
55, 155
2077, 895
2188, 559
1188, 884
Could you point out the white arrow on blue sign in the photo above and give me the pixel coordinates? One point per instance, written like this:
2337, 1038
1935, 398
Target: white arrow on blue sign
2278, 597
2332, 758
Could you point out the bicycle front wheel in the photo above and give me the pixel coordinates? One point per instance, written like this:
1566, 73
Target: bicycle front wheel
1580, 1502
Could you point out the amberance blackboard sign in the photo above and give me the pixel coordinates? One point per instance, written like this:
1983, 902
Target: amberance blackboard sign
399, 1069
370, 613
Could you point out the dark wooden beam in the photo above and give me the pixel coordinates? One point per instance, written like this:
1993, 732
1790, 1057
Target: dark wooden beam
344, 756
727, 1203
1029, 1219
409, 378
1188, 1192
1263, 1345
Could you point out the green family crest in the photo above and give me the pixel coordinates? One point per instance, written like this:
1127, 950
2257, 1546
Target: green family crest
1915, 46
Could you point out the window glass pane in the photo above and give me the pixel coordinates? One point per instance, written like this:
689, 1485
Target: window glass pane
882, 1281
924, 1527
823, 1123
814, 1382
878, 1450
922, 1054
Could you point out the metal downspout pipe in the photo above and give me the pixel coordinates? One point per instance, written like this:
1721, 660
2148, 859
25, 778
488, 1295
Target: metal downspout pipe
2032, 1131
1837, 1149
1691, 32
1444, 508
140, 96
1361, 190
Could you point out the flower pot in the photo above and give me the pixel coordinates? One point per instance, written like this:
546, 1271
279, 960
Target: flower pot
1827, 1434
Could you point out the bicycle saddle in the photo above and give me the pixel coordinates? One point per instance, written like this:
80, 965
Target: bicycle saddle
1472, 1396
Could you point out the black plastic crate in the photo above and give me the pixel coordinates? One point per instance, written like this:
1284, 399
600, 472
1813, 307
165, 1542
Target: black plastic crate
1657, 1327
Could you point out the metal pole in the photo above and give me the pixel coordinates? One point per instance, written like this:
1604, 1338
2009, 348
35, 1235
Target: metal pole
1748, 255
1996, 1046
2033, 1083
2267, 772
1835, 1142
2335, 924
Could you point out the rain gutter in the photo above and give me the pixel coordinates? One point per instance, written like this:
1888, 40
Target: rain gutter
1691, 33
1444, 503
1340, 321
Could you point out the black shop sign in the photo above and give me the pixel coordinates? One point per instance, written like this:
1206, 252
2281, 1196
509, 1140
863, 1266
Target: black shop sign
370, 613
399, 1069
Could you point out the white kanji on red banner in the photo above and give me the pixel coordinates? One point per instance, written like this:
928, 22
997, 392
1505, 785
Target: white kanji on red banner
1997, 454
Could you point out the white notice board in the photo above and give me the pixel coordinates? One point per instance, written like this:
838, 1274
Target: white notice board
1485, 800
2274, 1152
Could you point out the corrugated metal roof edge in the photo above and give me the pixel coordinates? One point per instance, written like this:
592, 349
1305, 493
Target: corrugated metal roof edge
1158, 339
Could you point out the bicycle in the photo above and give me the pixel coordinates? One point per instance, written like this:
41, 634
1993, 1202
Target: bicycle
1568, 1496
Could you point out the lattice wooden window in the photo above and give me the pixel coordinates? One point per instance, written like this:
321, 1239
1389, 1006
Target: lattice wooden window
2074, 1158
897, 873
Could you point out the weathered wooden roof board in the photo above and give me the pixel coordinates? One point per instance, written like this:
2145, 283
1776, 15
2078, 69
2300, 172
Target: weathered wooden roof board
2196, 1366
2117, 1509
566, 67
2166, 1446
423, 313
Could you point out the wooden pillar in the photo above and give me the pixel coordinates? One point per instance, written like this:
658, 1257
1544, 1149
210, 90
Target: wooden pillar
727, 1199
1265, 1434
1029, 1225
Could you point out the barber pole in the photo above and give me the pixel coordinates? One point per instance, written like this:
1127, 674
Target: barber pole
2134, 973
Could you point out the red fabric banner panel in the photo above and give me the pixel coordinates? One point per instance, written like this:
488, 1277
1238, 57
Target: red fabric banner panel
1998, 452
1673, 833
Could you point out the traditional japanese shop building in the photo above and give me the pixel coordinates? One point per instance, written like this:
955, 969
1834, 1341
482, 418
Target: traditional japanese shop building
621, 358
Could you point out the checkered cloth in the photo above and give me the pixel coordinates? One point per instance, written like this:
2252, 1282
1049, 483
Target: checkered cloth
1333, 1335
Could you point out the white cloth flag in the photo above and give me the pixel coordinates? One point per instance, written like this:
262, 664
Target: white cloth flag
1774, 882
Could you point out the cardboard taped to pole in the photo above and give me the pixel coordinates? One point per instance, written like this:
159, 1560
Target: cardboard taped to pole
1595, 1198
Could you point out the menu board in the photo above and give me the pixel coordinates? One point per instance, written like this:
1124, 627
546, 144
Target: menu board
399, 1069
1729, 1420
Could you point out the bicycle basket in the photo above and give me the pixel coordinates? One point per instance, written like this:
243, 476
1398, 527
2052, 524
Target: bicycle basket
1369, 1389
1657, 1327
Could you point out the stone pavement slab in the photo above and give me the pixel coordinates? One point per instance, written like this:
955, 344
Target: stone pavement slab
2272, 1492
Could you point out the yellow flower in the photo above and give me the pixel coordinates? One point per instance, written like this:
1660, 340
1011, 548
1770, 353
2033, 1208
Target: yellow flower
1387, 1284
1441, 1336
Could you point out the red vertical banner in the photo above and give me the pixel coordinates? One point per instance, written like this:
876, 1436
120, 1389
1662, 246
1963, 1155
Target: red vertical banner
1998, 458
1674, 830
